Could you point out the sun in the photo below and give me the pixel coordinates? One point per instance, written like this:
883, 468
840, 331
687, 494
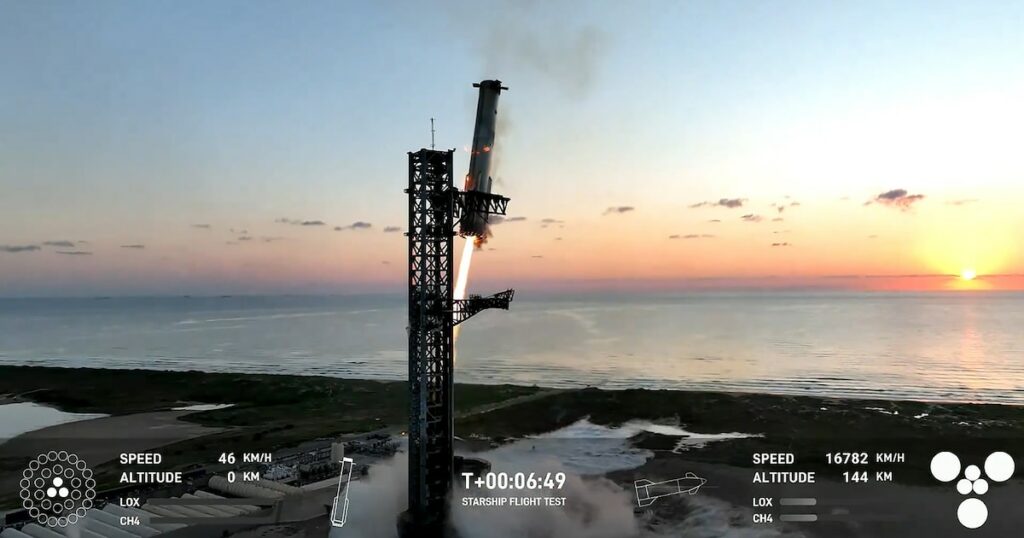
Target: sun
968, 274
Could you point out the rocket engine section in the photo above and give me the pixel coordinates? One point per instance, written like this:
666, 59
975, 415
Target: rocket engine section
479, 177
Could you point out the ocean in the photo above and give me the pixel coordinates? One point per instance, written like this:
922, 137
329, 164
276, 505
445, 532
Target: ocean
947, 346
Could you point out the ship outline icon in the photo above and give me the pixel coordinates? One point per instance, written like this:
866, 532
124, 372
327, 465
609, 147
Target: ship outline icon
648, 491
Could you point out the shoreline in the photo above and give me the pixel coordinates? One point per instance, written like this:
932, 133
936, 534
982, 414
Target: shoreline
273, 412
23, 397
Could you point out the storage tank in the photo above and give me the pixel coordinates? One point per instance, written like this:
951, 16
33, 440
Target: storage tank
214, 511
37, 531
111, 519
109, 531
277, 486
144, 516
13, 533
242, 508
243, 489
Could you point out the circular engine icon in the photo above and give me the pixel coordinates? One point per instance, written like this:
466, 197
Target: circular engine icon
57, 489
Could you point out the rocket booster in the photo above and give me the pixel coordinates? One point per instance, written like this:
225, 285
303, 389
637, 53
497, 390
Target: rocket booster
647, 492
479, 176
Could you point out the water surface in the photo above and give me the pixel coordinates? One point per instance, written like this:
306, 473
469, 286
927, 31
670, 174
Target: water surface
934, 346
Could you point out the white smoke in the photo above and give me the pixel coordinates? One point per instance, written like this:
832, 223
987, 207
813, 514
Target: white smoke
546, 41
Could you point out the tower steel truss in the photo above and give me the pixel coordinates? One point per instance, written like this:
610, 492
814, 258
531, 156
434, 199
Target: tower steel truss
434, 209
431, 411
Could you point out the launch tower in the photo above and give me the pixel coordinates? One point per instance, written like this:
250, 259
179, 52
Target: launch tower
436, 207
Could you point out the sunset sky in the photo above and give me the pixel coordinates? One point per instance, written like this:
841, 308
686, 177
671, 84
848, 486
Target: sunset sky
193, 147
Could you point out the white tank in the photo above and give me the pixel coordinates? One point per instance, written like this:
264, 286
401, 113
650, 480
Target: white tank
78, 530
278, 486
242, 508
115, 521
13, 533
144, 516
159, 512
214, 511
243, 489
109, 531
39, 532
178, 511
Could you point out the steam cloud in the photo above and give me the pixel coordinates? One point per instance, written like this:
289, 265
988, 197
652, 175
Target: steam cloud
64, 244
619, 209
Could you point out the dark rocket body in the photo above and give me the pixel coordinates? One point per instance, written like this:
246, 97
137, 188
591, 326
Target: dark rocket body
481, 153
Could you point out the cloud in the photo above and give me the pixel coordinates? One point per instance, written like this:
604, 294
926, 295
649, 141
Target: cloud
965, 201
618, 209
691, 236
65, 244
537, 256
271, 239
300, 222
18, 248
544, 223
731, 203
202, 226
780, 244
752, 218
778, 219
392, 229
897, 198
715, 220
357, 225
566, 54
245, 238
136, 246
74, 252
498, 219
239, 232
782, 207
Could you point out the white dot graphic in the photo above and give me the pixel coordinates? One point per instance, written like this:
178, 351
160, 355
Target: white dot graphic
999, 466
58, 482
972, 513
981, 486
51, 492
963, 486
945, 466
972, 472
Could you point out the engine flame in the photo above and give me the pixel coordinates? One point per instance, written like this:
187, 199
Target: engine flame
462, 278
461, 282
